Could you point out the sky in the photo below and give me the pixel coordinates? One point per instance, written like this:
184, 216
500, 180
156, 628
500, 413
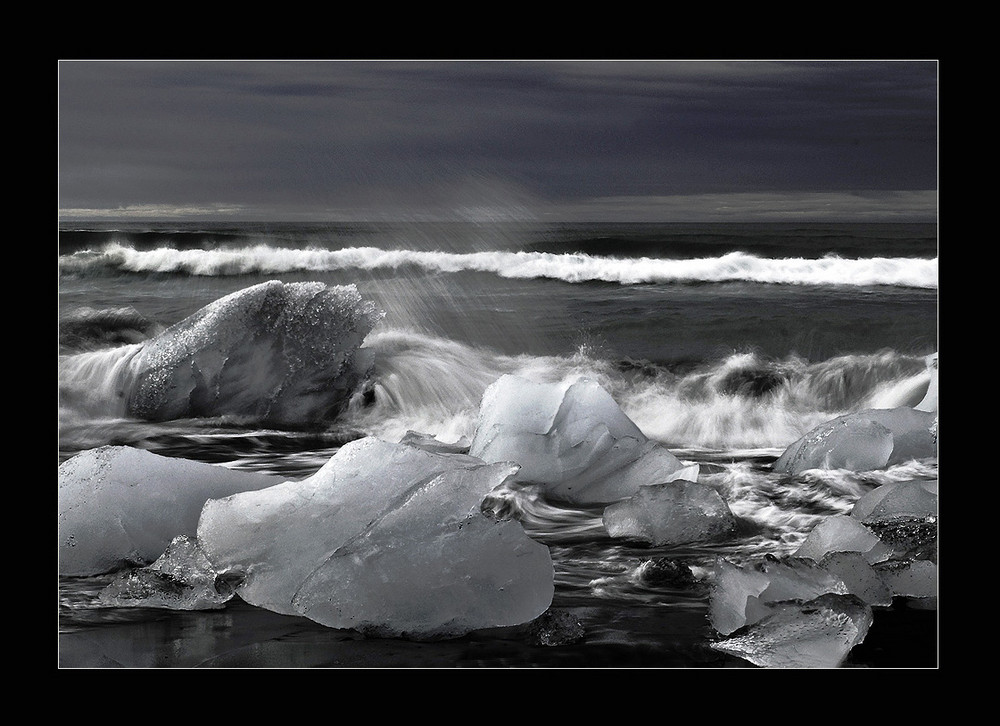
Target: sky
586, 140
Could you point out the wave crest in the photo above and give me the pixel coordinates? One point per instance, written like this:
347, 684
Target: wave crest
568, 267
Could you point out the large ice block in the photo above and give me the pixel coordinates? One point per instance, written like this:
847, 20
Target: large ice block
281, 353
119, 505
572, 438
864, 441
433, 566
385, 538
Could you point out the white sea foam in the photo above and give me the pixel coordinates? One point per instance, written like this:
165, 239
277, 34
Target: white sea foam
574, 268
432, 385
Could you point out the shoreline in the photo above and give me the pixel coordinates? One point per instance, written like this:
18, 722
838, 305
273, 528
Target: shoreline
243, 636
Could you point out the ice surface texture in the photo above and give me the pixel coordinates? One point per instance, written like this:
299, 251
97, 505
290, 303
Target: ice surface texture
677, 512
385, 538
864, 441
119, 505
914, 499
818, 633
572, 438
181, 579
281, 353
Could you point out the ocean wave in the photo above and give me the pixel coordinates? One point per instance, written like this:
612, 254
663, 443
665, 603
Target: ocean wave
434, 386
568, 267
92, 328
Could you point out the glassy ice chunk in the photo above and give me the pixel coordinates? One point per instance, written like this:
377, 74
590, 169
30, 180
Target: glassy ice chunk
909, 578
181, 579
677, 512
819, 633
278, 536
898, 499
864, 441
741, 595
858, 576
842, 533
385, 538
122, 506
281, 353
572, 438
732, 586
428, 569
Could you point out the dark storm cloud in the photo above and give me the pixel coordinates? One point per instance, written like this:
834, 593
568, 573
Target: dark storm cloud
328, 135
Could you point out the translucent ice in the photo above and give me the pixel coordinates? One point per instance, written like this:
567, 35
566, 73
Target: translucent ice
741, 595
282, 353
842, 533
864, 441
677, 512
386, 538
818, 633
181, 579
859, 576
119, 505
898, 499
430, 567
572, 438
909, 578
732, 586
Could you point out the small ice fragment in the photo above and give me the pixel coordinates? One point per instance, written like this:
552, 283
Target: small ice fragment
677, 512
181, 579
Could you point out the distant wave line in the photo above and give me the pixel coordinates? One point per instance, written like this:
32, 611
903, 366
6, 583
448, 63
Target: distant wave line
568, 267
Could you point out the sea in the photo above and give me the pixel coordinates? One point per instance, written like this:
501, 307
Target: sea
724, 342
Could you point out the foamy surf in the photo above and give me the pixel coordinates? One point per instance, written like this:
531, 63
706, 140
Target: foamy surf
571, 267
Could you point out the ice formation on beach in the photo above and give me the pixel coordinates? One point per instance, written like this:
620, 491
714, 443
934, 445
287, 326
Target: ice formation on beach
743, 594
787, 612
677, 512
120, 505
842, 533
572, 438
181, 579
864, 441
385, 538
817, 633
913, 499
281, 353
433, 566
858, 576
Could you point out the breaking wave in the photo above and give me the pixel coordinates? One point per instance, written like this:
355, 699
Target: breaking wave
568, 267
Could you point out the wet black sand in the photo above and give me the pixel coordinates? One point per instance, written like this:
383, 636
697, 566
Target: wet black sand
242, 636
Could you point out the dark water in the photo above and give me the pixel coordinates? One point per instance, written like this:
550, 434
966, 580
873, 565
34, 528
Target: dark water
723, 342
